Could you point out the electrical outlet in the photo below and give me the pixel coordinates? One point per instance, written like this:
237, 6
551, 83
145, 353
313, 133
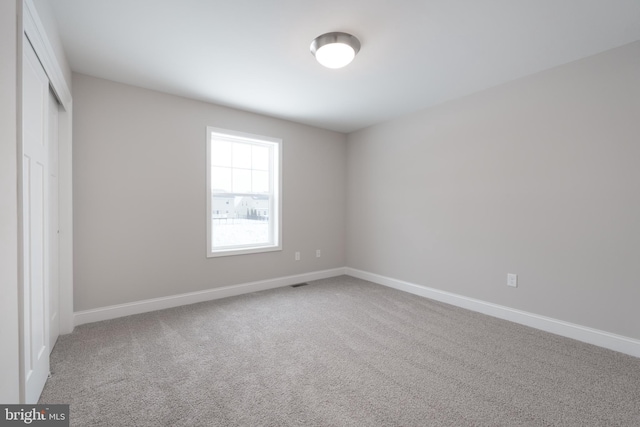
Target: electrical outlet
318, 253
512, 280
297, 256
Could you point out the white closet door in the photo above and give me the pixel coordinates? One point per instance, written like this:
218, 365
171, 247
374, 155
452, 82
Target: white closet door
54, 241
35, 224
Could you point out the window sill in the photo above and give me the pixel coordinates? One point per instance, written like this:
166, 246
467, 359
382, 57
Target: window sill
243, 251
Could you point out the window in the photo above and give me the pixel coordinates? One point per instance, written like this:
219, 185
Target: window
244, 182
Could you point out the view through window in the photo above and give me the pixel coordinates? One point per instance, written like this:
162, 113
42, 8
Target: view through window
243, 186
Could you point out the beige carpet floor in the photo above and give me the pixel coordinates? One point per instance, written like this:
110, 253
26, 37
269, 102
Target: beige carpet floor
336, 352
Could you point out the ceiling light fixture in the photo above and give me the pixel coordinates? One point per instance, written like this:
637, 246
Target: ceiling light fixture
335, 50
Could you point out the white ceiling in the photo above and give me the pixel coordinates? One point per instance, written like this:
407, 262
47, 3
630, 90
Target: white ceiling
254, 54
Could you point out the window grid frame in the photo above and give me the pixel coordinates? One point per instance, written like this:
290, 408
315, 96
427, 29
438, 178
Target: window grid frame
274, 170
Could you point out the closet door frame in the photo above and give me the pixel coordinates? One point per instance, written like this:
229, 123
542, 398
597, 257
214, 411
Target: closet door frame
33, 30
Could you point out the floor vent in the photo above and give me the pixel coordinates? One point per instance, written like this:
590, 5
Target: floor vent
299, 284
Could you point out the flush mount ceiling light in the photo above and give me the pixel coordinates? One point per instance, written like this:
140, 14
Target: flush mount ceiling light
335, 50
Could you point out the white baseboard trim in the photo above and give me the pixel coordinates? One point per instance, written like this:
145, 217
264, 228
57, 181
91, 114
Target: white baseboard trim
597, 337
121, 310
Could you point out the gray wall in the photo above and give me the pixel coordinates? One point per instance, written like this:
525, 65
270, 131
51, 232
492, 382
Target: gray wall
9, 356
538, 177
139, 196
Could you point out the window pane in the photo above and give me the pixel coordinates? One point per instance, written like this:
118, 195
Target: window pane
220, 179
241, 155
260, 158
241, 181
220, 153
245, 194
260, 181
245, 224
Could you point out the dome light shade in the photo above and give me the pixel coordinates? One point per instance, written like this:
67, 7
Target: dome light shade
335, 50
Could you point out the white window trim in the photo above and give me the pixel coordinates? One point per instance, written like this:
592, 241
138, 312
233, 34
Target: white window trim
277, 205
